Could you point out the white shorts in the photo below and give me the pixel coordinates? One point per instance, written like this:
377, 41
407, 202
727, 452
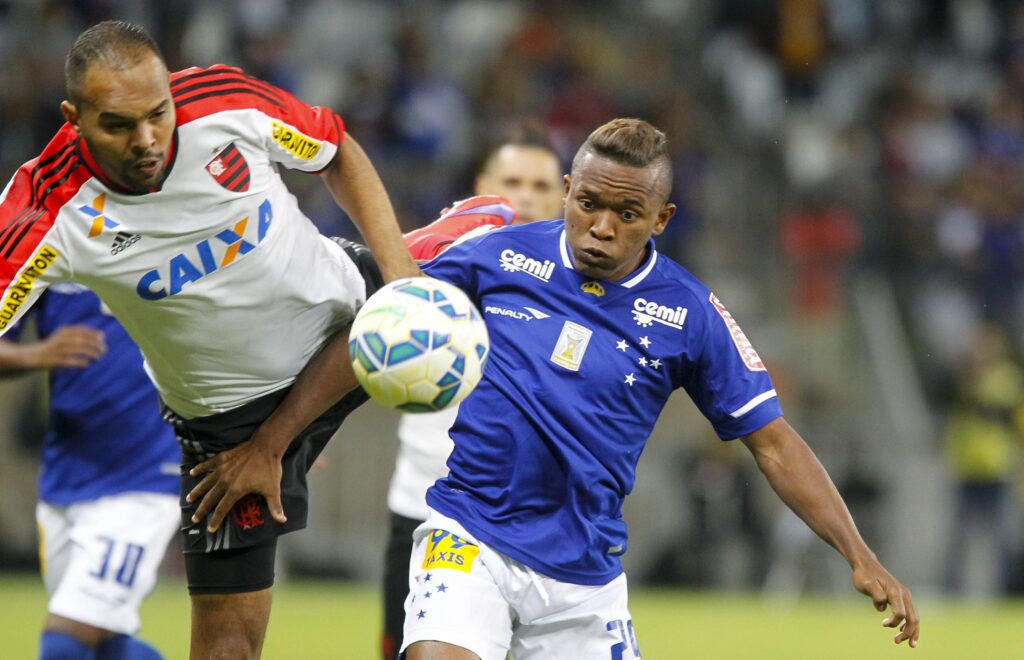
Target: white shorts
464, 593
99, 558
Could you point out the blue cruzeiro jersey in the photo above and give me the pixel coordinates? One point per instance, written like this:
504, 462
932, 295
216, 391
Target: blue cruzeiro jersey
546, 447
105, 432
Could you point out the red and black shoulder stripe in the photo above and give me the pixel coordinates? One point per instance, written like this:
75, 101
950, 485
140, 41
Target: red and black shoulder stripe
38, 191
199, 92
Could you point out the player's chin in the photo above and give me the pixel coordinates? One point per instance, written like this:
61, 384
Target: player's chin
143, 183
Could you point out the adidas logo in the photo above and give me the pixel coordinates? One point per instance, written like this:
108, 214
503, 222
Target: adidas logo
123, 241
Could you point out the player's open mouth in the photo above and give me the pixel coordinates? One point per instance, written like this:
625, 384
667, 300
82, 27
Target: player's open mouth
148, 166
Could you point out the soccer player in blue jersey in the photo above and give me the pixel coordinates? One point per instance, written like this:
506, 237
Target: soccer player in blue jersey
524, 168
521, 550
108, 502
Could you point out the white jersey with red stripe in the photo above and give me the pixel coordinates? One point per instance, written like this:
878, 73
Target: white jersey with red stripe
225, 285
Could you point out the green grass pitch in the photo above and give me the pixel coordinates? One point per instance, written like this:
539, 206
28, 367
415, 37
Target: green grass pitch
313, 620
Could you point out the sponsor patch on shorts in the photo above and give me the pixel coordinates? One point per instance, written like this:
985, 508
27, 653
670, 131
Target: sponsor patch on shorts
446, 550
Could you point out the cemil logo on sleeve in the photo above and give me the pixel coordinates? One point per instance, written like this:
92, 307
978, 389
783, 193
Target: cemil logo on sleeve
446, 550
20, 290
295, 142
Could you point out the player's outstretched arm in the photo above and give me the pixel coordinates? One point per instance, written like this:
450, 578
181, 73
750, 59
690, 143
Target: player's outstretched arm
800, 480
358, 190
255, 465
71, 346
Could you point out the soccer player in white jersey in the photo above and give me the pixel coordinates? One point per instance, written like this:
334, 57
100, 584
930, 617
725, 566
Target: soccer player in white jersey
161, 193
524, 169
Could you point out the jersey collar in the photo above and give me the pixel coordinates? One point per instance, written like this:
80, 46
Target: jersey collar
630, 281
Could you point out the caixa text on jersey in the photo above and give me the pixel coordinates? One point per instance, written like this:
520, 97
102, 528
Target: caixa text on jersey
206, 257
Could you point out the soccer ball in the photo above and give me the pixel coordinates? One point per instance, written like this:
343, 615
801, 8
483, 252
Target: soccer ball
418, 345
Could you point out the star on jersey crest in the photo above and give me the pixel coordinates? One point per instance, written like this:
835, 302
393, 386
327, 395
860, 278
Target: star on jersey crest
643, 361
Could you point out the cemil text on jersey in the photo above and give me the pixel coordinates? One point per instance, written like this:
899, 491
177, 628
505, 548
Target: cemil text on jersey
209, 255
513, 261
646, 312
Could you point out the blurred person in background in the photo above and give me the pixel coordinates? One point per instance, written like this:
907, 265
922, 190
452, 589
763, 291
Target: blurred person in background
222, 281
108, 490
983, 446
524, 169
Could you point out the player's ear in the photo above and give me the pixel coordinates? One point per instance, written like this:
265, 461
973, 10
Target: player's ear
70, 113
666, 212
566, 184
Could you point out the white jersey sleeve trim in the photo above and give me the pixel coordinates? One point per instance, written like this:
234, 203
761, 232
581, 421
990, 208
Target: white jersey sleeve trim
753, 403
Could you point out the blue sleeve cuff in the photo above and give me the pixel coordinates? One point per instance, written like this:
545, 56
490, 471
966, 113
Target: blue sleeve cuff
732, 428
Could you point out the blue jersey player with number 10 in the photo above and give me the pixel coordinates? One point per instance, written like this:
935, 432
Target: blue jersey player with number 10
108, 490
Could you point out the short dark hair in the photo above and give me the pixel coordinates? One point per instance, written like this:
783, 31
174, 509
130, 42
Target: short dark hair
632, 142
524, 133
116, 44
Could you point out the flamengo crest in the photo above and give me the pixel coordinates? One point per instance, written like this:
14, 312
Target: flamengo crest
230, 169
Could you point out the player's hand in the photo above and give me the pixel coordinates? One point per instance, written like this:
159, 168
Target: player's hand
872, 580
71, 346
233, 474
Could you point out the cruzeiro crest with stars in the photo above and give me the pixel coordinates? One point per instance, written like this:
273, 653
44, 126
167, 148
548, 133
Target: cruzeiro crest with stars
641, 365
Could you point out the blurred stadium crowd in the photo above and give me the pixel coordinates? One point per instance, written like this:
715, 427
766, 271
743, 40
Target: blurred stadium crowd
850, 176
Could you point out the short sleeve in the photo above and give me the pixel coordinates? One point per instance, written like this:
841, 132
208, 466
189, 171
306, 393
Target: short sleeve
728, 381
297, 135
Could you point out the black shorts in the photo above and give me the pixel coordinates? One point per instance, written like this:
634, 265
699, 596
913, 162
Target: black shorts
239, 556
396, 582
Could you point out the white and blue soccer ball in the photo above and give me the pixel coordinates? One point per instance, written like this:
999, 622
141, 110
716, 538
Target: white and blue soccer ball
418, 345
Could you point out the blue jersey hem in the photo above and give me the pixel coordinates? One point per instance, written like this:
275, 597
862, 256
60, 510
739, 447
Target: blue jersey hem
92, 497
435, 501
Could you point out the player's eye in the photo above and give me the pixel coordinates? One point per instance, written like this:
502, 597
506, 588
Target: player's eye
629, 216
586, 204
